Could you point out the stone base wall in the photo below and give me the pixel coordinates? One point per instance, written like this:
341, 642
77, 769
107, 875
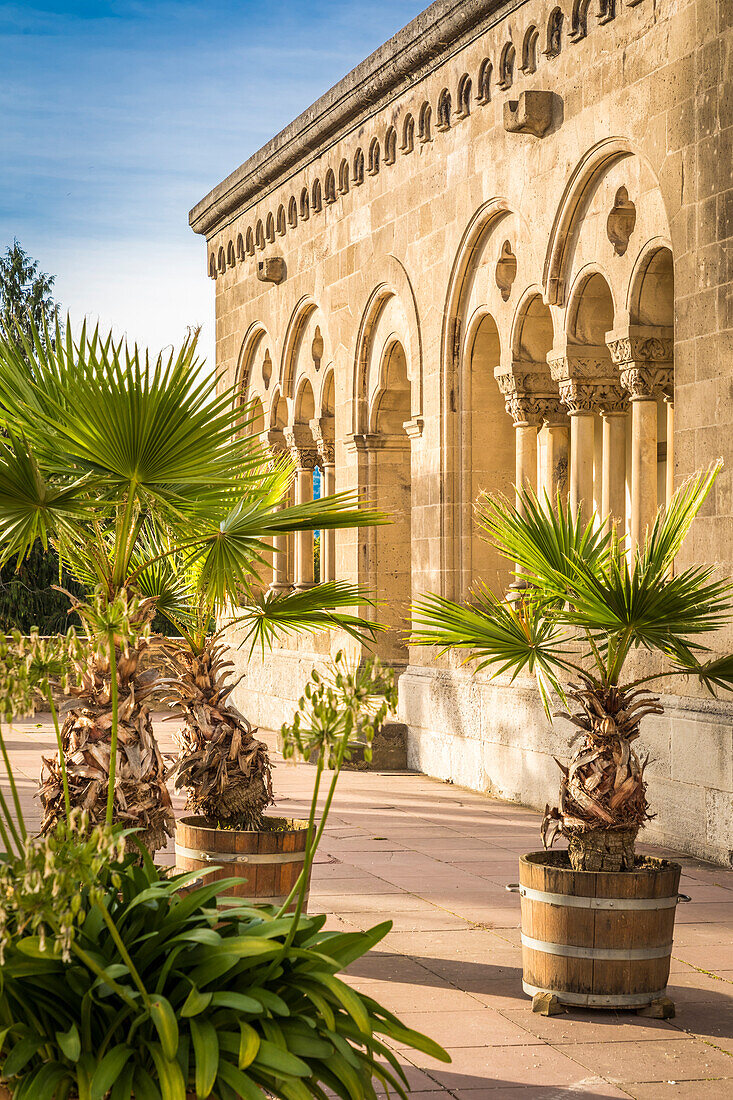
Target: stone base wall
497, 739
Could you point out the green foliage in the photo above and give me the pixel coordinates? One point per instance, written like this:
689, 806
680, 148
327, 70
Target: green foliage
155, 466
587, 602
157, 989
25, 292
28, 597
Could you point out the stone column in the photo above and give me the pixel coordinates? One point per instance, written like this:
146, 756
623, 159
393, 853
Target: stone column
522, 406
554, 475
614, 411
669, 469
328, 488
305, 456
281, 582
580, 370
579, 402
644, 358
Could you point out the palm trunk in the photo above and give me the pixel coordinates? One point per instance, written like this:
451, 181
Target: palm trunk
141, 798
226, 771
603, 793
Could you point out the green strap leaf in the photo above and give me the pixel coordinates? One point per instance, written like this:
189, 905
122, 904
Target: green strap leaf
249, 1044
206, 1052
109, 1070
70, 1043
197, 1001
164, 1020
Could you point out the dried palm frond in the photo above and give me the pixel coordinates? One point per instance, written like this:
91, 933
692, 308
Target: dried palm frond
141, 798
602, 792
226, 771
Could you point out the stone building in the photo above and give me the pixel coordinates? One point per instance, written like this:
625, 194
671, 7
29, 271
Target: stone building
497, 251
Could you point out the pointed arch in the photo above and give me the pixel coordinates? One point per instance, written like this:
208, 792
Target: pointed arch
463, 107
329, 187
506, 66
390, 146
299, 318
582, 181
358, 175
408, 134
482, 223
391, 282
530, 50
240, 247
425, 127
344, 177
281, 226
374, 155
445, 109
316, 197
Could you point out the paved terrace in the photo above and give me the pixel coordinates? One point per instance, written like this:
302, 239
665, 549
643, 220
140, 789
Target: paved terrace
435, 859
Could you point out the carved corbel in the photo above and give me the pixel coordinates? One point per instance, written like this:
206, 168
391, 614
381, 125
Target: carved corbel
302, 448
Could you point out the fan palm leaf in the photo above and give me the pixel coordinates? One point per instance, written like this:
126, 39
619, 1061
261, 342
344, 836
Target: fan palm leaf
585, 604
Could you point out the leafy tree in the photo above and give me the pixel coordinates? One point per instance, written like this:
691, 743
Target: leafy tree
25, 293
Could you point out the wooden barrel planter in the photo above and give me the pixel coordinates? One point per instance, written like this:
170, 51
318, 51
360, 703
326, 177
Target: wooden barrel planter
268, 862
597, 938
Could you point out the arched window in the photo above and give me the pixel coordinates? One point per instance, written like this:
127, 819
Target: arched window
606, 11
373, 157
250, 242
221, 260
212, 266
444, 110
329, 186
530, 49
304, 205
358, 167
390, 146
579, 20
344, 177
554, 33
292, 212
463, 108
506, 66
316, 203
270, 231
425, 128
230, 255
240, 248
408, 134
260, 235
484, 82
281, 220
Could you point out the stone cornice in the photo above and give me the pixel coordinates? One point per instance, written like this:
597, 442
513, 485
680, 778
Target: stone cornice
390, 69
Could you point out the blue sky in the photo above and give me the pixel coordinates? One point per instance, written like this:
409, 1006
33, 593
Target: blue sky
119, 116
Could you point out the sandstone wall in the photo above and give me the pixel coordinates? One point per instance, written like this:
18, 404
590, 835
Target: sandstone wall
484, 267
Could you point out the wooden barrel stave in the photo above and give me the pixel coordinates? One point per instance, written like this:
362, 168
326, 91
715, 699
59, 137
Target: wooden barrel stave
570, 938
267, 862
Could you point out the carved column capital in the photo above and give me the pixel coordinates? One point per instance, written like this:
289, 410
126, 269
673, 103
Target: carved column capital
274, 440
582, 373
643, 355
528, 393
302, 447
322, 431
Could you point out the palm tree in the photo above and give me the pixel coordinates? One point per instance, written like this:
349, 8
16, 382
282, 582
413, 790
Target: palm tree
585, 604
120, 462
225, 769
